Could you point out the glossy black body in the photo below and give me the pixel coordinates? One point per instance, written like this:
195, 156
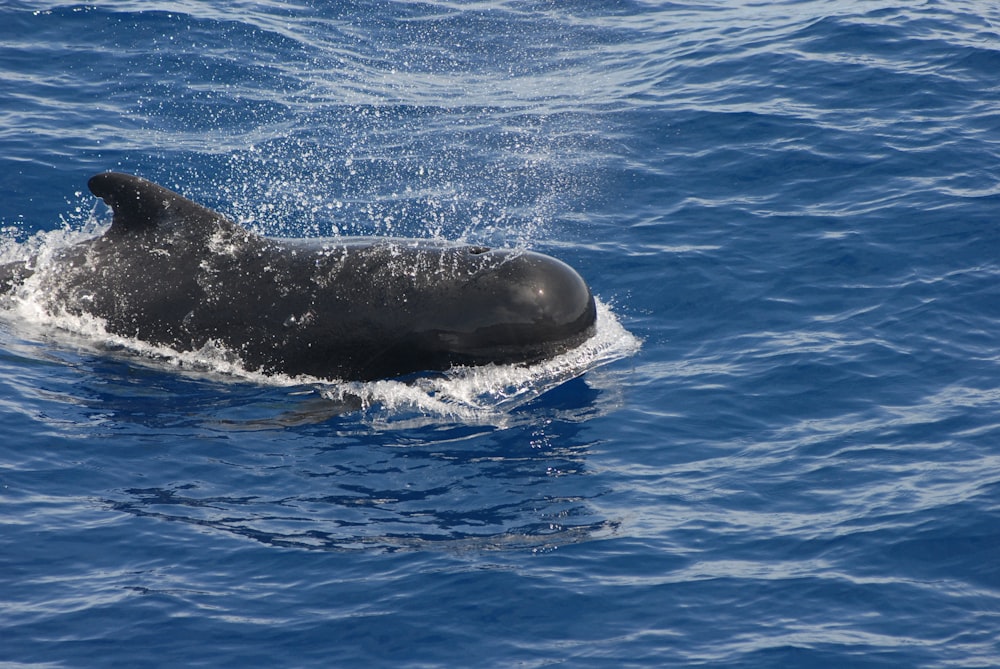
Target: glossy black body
169, 271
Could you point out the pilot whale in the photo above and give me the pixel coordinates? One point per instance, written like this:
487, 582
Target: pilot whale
171, 272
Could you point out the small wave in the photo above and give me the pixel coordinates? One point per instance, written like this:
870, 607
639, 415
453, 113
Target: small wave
484, 394
489, 393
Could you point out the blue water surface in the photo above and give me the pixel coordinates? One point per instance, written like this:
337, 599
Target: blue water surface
793, 205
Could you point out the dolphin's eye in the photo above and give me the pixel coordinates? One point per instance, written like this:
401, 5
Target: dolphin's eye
478, 250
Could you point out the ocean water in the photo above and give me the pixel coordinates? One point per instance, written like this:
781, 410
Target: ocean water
782, 449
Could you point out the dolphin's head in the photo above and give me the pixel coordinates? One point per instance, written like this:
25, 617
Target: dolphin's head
521, 306
381, 308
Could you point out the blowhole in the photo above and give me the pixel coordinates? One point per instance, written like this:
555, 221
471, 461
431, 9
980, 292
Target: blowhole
478, 250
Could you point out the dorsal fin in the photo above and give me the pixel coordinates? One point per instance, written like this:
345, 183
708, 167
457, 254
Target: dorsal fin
140, 205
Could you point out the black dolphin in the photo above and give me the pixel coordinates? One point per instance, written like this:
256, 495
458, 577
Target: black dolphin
171, 272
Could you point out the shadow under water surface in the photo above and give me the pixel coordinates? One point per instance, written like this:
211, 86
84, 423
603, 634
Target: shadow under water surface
320, 467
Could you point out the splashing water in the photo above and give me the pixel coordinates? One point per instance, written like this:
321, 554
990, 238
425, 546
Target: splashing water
489, 393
